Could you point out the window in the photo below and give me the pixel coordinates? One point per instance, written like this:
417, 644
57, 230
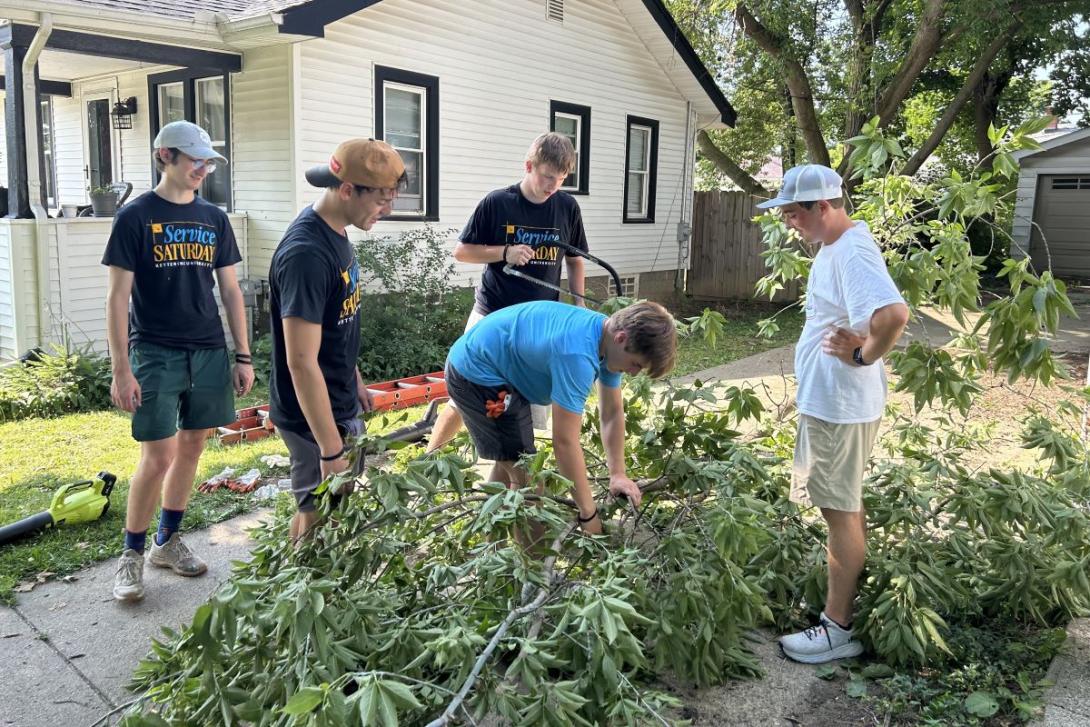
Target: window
573, 121
49, 171
1071, 183
190, 95
640, 169
630, 286
407, 118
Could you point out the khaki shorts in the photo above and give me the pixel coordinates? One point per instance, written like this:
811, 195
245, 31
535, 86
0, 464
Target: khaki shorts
830, 460
539, 414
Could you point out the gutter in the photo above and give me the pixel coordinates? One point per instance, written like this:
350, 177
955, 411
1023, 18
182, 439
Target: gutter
32, 126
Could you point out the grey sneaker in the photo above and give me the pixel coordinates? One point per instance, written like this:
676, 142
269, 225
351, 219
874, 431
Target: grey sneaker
129, 580
177, 556
821, 643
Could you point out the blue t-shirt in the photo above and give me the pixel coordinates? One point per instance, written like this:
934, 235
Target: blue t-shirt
547, 351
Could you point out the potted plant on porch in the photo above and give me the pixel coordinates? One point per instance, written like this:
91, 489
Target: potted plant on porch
103, 201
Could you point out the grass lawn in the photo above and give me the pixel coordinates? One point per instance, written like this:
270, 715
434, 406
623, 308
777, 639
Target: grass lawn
739, 339
39, 455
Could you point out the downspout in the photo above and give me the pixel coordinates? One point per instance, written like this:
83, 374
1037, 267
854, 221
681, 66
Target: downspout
32, 126
684, 225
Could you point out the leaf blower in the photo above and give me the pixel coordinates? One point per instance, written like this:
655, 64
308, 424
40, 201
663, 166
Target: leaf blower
79, 502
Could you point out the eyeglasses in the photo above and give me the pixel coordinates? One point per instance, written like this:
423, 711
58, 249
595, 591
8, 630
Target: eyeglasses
199, 164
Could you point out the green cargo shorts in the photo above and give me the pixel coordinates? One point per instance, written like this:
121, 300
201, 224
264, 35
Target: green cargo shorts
180, 389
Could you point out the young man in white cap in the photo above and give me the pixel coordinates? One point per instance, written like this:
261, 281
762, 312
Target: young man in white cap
167, 250
316, 391
854, 316
520, 225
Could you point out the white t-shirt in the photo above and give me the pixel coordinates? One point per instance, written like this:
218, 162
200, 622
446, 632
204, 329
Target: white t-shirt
848, 282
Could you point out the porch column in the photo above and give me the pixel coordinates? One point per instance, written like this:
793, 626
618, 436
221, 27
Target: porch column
14, 41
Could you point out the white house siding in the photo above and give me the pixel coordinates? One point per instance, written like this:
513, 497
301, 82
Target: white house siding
7, 294
1073, 158
3, 143
499, 64
261, 151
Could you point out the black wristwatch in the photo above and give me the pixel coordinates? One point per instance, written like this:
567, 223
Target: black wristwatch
857, 357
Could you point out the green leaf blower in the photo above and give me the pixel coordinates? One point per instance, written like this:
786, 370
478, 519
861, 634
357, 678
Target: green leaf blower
79, 502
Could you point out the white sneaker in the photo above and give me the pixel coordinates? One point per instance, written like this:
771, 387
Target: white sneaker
177, 556
818, 644
129, 580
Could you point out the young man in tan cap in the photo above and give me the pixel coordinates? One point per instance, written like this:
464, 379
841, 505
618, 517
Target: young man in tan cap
316, 390
854, 316
167, 249
520, 225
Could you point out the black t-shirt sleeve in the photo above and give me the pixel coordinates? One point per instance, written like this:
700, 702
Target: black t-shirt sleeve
481, 228
578, 236
125, 238
227, 251
304, 282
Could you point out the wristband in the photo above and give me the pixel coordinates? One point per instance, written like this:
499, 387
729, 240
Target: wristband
583, 520
243, 358
857, 357
504, 258
333, 457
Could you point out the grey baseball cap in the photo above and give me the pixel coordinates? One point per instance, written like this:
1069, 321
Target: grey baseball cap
188, 138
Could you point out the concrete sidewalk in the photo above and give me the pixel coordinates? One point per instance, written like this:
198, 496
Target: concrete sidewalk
69, 648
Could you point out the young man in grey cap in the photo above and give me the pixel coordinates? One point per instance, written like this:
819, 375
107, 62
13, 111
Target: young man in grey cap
316, 390
854, 316
167, 250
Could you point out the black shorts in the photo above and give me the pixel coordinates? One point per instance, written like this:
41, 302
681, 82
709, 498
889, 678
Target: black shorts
502, 438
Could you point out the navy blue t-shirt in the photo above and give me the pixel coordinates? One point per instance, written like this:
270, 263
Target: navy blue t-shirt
314, 276
172, 251
504, 217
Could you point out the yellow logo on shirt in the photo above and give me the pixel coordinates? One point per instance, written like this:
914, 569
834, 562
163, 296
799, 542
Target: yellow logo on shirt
510, 229
156, 228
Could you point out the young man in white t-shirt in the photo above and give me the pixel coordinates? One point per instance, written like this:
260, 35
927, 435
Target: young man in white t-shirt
854, 316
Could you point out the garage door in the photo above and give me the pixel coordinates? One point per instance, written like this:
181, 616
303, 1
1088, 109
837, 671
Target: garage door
1063, 213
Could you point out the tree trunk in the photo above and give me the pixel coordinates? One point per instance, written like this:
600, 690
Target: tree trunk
802, 95
913, 164
985, 107
726, 165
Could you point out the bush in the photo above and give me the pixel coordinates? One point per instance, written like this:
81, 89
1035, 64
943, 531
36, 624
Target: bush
52, 384
409, 325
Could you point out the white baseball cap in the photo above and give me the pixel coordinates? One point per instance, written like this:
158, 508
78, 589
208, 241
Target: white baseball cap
188, 138
807, 183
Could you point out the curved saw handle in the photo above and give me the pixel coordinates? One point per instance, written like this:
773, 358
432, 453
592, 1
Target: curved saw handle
597, 261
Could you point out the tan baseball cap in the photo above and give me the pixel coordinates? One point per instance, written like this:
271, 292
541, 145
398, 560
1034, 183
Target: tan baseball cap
365, 162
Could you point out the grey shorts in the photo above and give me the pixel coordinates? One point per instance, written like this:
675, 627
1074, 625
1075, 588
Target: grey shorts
830, 461
502, 438
306, 464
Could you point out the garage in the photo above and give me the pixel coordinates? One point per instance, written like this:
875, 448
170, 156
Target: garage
1052, 215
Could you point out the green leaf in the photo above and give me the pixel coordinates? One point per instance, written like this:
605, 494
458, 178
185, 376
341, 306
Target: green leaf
981, 704
877, 671
303, 701
826, 671
856, 688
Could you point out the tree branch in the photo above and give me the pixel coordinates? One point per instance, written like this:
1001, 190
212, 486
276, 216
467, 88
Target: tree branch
802, 95
727, 165
924, 45
967, 88
515, 614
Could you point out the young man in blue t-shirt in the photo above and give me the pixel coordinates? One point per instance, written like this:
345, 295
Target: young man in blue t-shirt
167, 250
549, 353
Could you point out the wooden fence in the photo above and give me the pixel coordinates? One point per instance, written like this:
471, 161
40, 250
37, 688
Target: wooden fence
725, 260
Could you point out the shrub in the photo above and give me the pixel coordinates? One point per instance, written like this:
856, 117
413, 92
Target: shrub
55, 383
408, 324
